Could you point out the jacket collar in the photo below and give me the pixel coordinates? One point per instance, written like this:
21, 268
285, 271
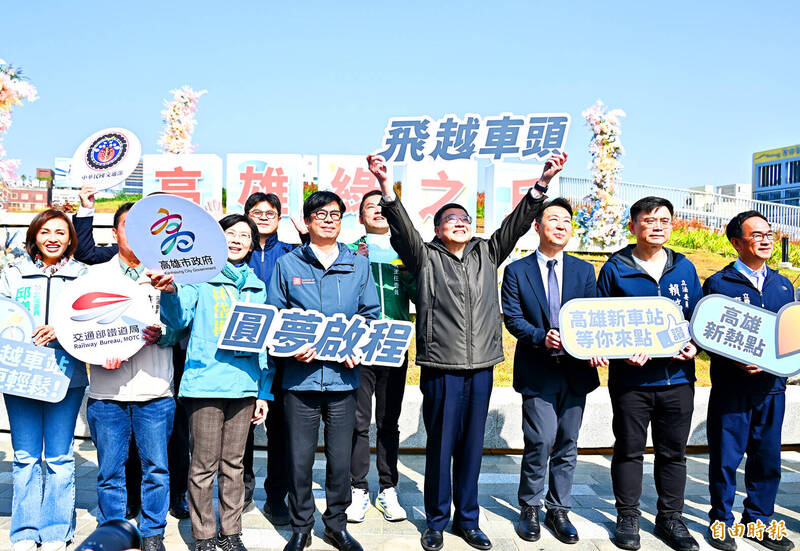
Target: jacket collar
436, 242
28, 268
344, 262
624, 259
251, 282
271, 241
731, 273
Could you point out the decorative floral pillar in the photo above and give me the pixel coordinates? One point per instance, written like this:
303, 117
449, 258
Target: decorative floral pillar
602, 220
13, 89
179, 121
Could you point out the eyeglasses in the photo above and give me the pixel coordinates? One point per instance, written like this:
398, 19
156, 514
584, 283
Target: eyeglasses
453, 218
757, 237
268, 214
321, 215
242, 236
651, 222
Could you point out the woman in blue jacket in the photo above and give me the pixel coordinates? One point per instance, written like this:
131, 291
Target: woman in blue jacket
223, 390
44, 513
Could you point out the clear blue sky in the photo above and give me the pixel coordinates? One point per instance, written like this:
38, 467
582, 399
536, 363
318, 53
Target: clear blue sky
704, 84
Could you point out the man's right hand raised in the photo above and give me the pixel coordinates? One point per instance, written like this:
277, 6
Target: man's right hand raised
87, 196
377, 165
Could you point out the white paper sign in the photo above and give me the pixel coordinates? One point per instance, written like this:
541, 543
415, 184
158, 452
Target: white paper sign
105, 158
98, 318
177, 237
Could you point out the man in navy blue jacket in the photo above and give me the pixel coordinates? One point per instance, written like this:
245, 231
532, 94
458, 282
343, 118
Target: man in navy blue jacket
328, 277
265, 210
553, 384
746, 406
657, 391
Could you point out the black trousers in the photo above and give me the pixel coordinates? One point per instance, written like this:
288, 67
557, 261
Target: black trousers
303, 413
276, 484
669, 409
177, 449
388, 385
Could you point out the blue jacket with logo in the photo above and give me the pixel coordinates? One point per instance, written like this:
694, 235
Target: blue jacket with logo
776, 292
211, 372
620, 276
263, 259
347, 287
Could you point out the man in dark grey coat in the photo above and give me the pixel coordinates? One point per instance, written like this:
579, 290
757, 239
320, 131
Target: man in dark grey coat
459, 341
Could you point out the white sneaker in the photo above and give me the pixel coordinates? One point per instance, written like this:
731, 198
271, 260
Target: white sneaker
24, 545
54, 546
357, 511
387, 503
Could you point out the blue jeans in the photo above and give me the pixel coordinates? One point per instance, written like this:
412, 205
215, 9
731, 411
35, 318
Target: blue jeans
111, 424
43, 512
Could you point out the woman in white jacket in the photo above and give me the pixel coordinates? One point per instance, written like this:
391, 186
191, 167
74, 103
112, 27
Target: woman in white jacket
44, 513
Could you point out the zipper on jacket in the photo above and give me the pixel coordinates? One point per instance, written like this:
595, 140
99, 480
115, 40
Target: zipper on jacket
47, 302
468, 313
380, 294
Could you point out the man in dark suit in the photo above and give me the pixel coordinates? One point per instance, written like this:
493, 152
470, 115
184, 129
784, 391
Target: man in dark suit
553, 384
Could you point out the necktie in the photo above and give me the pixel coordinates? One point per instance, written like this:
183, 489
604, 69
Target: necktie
553, 297
553, 294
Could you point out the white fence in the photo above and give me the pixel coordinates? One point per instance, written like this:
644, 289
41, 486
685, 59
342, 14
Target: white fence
713, 210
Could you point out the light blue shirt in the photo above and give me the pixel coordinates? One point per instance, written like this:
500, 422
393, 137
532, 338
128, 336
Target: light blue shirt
757, 277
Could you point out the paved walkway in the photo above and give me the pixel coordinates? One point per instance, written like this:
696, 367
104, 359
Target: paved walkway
593, 513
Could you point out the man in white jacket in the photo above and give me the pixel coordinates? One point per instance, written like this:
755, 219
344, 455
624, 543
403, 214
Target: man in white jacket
133, 398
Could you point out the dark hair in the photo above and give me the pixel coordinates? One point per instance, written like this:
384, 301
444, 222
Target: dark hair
319, 199
647, 205
557, 202
734, 227
437, 218
125, 207
233, 219
366, 195
259, 197
40, 220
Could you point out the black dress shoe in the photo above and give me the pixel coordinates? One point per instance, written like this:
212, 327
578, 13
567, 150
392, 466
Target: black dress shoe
528, 526
180, 508
277, 513
626, 534
474, 537
727, 543
782, 544
298, 541
432, 540
675, 534
341, 540
558, 521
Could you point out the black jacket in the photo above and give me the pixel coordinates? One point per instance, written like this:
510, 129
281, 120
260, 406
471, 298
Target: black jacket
458, 315
87, 252
526, 314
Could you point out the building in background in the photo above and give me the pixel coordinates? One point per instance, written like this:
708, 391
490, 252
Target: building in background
26, 195
738, 191
776, 175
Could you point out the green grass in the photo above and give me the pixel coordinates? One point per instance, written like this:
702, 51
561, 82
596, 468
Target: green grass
707, 250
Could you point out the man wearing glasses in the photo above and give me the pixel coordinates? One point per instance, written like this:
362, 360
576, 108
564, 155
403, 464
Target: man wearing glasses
746, 405
328, 277
459, 341
265, 210
651, 391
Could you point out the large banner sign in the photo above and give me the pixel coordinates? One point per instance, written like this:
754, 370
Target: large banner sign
177, 237
197, 178
748, 334
429, 185
537, 135
254, 327
27, 370
105, 158
348, 177
622, 327
278, 174
97, 319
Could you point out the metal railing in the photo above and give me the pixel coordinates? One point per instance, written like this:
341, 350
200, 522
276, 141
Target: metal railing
713, 210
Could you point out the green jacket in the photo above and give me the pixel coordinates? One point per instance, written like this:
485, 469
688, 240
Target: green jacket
396, 285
